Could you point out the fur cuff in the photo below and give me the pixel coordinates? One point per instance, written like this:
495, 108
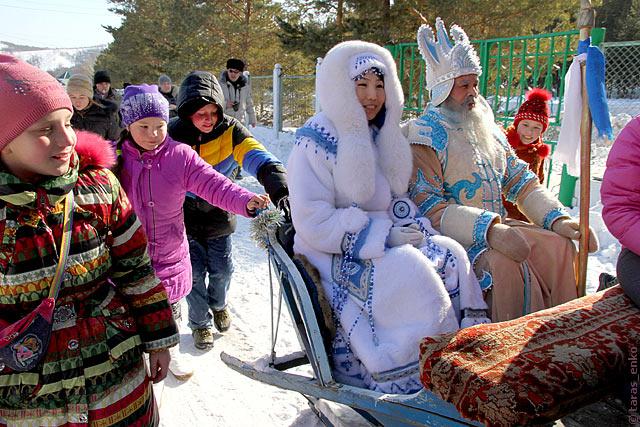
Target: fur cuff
467, 225
353, 219
542, 208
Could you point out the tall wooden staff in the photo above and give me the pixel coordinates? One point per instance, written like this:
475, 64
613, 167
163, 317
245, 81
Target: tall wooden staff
586, 21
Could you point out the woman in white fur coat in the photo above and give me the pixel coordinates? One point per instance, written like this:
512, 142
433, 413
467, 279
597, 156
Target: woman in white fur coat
349, 163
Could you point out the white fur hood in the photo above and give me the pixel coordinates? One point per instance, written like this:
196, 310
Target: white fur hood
355, 162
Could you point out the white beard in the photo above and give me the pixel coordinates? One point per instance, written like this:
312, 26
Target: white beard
478, 126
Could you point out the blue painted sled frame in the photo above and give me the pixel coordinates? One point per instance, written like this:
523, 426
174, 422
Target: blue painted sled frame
422, 408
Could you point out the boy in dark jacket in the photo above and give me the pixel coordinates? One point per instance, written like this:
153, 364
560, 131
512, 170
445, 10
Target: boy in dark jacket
224, 143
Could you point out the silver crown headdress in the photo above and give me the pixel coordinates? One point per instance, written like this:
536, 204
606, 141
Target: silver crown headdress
445, 60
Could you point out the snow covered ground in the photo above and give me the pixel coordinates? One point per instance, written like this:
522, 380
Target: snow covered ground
217, 395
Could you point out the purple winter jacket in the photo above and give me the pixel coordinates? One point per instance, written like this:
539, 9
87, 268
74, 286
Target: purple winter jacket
156, 183
620, 191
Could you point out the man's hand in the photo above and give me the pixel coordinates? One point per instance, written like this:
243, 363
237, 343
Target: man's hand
509, 242
570, 229
404, 236
159, 364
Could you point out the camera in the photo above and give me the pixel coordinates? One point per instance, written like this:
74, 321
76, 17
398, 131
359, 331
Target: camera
235, 106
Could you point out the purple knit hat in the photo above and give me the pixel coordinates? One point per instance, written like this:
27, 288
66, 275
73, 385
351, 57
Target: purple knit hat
142, 101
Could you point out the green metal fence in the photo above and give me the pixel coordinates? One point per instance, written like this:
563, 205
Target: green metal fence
511, 66
298, 97
623, 78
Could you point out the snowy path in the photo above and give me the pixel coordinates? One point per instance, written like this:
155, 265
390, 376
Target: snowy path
217, 395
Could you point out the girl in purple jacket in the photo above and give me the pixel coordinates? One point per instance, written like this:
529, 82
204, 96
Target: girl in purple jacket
620, 196
157, 172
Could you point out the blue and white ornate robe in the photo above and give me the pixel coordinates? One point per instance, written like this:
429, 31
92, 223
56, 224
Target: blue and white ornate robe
384, 300
458, 188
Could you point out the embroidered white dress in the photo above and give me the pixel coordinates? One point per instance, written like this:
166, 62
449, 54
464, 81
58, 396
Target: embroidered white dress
384, 300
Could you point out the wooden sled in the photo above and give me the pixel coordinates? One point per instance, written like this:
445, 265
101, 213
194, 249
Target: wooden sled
586, 323
300, 295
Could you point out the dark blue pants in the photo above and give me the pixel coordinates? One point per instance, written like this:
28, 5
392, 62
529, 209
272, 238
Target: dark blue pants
212, 258
628, 271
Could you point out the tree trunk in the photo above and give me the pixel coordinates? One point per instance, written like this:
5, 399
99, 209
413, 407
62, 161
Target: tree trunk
386, 21
246, 40
339, 17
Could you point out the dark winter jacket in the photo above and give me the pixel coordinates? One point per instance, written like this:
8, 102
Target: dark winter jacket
100, 118
110, 96
228, 145
171, 98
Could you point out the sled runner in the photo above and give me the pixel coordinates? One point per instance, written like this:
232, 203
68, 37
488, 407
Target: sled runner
301, 297
537, 368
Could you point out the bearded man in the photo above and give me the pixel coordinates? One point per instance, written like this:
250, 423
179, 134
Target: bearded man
462, 165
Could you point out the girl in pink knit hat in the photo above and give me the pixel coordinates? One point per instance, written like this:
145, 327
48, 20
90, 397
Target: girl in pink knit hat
158, 173
110, 307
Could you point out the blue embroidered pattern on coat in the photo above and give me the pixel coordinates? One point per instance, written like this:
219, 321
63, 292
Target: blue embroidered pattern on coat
432, 193
480, 228
486, 281
469, 187
406, 375
356, 274
320, 136
437, 134
551, 216
516, 188
361, 238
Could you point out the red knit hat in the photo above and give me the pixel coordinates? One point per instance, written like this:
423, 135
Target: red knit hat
536, 108
27, 94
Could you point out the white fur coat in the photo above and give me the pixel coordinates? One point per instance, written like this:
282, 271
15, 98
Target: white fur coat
341, 184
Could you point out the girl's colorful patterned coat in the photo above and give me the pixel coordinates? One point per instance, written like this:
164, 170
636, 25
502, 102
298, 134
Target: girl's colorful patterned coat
110, 309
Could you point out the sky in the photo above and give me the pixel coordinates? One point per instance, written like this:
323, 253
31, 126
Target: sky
56, 23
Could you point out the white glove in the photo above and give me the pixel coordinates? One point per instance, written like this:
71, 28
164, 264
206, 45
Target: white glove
508, 241
570, 229
404, 236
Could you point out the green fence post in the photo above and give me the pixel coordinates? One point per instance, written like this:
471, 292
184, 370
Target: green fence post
567, 187
568, 182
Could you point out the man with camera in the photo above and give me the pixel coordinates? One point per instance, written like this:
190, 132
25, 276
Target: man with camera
237, 92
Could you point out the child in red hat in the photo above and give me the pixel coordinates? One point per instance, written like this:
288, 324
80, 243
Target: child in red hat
525, 137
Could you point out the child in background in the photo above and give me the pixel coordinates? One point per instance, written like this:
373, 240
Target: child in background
525, 137
156, 173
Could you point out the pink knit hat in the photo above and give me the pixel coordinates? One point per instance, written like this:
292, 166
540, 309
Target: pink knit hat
26, 95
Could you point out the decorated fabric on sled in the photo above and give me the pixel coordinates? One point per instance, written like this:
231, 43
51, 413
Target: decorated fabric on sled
539, 367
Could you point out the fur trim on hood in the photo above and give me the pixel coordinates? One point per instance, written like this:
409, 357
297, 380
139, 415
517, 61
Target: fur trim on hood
93, 150
355, 163
538, 146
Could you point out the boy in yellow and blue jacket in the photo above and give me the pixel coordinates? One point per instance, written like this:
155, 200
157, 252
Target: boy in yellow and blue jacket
225, 144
